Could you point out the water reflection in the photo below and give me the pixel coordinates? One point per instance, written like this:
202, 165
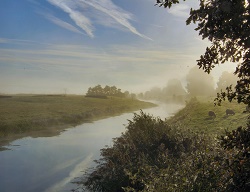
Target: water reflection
49, 164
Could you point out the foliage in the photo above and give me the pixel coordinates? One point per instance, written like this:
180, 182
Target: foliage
154, 93
199, 83
154, 156
239, 162
173, 92
166, 3
127, 153
174, 87
99, 92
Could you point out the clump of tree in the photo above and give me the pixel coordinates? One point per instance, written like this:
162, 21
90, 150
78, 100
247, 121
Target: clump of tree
173, 92
226, 79
199, 83
155, 93
174, 87
103, 92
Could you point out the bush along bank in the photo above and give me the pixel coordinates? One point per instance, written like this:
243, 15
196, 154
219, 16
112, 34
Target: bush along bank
153, 155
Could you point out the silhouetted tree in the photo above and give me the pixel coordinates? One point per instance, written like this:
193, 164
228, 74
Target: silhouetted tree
95, 91
107, 90
98, 91
174, 87
154, 93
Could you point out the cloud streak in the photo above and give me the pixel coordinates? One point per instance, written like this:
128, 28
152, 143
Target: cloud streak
180, 10
86, 13
61, 23
79, 19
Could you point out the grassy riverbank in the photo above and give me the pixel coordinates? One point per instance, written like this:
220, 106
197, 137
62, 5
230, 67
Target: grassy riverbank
23, 114
171, 155
195, 116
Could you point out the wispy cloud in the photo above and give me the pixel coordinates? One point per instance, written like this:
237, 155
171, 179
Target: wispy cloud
21, 42
87, 13
80, 20
111, 10
180, 10
61, 23
79, 57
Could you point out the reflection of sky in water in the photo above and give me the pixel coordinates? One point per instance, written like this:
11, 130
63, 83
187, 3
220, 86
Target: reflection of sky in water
49, 164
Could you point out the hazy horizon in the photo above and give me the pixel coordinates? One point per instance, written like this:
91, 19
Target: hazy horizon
49, 46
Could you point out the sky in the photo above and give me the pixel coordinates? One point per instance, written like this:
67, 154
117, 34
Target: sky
58, 46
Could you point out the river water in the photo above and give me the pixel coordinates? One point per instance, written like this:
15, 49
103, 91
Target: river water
51, 163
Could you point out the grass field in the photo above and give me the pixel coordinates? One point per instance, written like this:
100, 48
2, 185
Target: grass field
49, 114
195, 116
25, 113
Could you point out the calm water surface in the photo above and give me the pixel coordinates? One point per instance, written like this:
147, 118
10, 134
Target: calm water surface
50, 163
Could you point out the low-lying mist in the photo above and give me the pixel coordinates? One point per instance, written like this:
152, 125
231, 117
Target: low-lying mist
197, 82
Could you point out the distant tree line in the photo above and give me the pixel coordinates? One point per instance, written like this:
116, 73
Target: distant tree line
198, 83
172, 92
103, 92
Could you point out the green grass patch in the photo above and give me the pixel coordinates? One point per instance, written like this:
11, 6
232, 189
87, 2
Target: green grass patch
195, 116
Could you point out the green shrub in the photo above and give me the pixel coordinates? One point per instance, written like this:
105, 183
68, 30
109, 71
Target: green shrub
154, 156
237, 142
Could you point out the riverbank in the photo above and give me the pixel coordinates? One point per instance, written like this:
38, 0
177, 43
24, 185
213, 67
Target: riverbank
48, 115
181, 153
194, 116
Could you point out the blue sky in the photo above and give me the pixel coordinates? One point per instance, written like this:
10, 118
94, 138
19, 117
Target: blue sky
49, 46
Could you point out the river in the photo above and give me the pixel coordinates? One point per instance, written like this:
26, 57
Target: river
50, 163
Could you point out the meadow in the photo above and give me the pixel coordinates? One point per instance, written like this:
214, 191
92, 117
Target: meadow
195, 116
22, 114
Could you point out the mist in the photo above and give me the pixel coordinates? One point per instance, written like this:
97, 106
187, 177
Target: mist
196, 83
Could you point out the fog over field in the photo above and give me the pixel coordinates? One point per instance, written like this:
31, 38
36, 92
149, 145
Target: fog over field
52, 46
